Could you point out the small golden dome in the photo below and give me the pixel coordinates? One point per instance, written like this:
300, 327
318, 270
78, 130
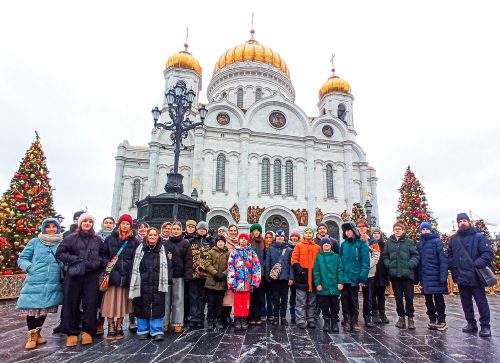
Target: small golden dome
184, 60
334, 84
251, 51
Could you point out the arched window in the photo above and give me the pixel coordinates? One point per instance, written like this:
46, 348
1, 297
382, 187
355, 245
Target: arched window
258, 94
220, 180
277, 177
329, 181
136, 192
341, 112
289, 178
265, 176
239, 98
224, 94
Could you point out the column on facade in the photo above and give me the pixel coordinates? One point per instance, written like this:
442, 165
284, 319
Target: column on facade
310, 182
373, 187
364, 183
197, 169
243, 182
118, 186
154, 153
348, 183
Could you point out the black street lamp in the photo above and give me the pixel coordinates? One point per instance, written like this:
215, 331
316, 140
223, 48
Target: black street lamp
179, 101
368, 209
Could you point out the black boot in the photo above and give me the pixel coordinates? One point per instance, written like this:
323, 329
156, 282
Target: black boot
354, 325
220, 323
347, 323
383, 317
376, 317
283, 321
210, 324
368, 321
243, 324
334, 326
485, 332
276, 320
326, 324
470, 328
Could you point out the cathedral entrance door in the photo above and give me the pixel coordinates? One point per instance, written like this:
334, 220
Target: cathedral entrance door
216, 222
333, 230
276, 222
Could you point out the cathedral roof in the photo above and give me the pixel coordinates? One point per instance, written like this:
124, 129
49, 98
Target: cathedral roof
251, 51
184, 60
334, 84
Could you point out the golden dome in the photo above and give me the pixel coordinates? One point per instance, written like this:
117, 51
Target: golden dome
252, 51
334, 84
184, 60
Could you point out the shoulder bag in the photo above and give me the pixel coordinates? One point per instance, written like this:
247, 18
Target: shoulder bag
104, 276
276, 270
485, 275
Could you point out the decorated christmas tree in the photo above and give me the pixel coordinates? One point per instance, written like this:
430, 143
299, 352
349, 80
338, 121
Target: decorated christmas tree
24, 206
412, 205
495, 243
358, 212
481, 227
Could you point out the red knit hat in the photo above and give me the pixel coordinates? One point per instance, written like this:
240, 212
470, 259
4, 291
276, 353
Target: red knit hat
126, 218
245, 236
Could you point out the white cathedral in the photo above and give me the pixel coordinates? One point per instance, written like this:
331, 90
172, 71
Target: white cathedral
258, 157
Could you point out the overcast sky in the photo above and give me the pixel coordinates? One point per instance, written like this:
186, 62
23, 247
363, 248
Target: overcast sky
425, 77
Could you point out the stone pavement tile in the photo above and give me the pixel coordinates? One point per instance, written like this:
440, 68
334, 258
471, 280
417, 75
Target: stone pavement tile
227, 352
152, 347
125, 358
233, 339
278, 352
353, 350
254, 345
175, 352
190, 358
302, 346
277, 335
342, 338
330, 353
251, 359
319, 336
308, 360
207, 344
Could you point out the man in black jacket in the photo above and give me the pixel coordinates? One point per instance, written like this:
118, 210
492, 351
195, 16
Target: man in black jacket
469, 250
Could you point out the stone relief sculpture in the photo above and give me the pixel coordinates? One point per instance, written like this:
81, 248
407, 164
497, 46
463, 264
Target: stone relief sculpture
319, 216
254, 214
235, 212
301, 215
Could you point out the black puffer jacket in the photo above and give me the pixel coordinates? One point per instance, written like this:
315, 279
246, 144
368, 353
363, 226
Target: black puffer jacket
382, 273
182, 258
74, 248
151, 303
121, 273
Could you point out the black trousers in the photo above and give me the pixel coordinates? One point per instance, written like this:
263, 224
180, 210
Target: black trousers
466, 294
378, 301
435, 307
293, 294
256, 303
80, 290
368, 296
279, 290
215, 298
403, 287
350, 304
187, 305
330, 306
197, 299
34, 323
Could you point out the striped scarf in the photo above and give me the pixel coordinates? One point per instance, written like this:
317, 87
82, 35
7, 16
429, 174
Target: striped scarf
135, 282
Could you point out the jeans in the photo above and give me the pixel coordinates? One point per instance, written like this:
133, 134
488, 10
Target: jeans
174, 302
280, 297
330, 306
151, 326
197, 300
466, 294
403, 287
350, 304
268, 307
215, 298
368, 296
378, 301
305, 306
435, 307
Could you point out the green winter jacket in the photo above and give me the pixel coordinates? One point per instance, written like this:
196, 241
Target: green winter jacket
355, 256
401, 257
328, 272
216, 263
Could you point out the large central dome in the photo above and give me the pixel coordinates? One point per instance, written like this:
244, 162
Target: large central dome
252, 51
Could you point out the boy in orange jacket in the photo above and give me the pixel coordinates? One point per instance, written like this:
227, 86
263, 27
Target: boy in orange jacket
303, 257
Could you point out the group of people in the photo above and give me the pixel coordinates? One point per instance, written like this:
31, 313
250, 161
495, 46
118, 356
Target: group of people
163, 279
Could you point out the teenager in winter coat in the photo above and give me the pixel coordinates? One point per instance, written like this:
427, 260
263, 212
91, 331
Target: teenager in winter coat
381, 280
433, 275
182, 271
292, 242
280, 253
142, 231
267, 312
257, 296
201, 244
243, 275
303, 257
42, 289
328, 275
322, 233
107, 226
227, 303
355, 256
401, 258
165, 230
216, 282
149, 285
84, 247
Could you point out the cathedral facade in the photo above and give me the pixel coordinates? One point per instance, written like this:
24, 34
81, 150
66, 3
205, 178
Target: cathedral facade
258, 157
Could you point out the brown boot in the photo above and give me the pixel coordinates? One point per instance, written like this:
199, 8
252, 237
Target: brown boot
119, 329
100, 327
31, 344
111, 330
72, 341
39, 338
86, 338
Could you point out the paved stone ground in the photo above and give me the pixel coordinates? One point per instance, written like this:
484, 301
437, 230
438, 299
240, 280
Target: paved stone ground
269, 344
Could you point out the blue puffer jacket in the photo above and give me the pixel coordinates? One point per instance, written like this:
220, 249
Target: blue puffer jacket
478, 248
42, 287
433, 269
273, 256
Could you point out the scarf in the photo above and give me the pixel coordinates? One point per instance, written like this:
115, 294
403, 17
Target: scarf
50, 239
135, 281
103, 233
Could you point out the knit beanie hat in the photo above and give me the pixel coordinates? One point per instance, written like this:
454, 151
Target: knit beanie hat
461, 216
349, 225
425, 225
223, 228
255, 226
190, 222
85, 216
273, 235
295, 232
245, 236
220, 238
50, 220
376, 229
325, 240
308, 229
280, 233
201, 225
78, 214
125, 218
322, 225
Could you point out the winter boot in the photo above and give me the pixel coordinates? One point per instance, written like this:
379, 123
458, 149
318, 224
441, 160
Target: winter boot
111, 330
39, 339
326, 324
347, 323
441, 326
219, 324
470, 328
485, 332
411, 323
292, 319
57, 329
119, 329
401, 324
354, 325
100, 326
283, 321
368, 321
311, 324
334, 326
383, 317
211, 324
86, 338
31, 344
132, 323
432, 324
72, 341
302, 325
243, 324
376, 317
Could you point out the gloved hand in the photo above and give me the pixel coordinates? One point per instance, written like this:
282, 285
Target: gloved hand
219, 277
